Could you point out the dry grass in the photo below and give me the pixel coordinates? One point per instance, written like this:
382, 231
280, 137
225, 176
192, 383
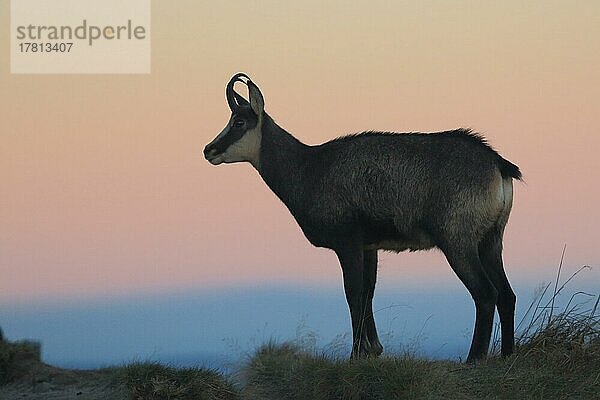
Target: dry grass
152, 381
557, 357
16, 358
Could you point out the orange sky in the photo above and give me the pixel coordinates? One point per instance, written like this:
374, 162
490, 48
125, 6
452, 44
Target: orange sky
103, 187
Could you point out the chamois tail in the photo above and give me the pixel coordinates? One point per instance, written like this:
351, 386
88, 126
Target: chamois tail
508, 169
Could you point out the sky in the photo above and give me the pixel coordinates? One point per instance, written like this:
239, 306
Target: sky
105, 194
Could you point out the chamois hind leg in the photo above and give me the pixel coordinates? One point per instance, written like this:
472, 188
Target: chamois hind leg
351, 261
490, 253
369, 279
464, 260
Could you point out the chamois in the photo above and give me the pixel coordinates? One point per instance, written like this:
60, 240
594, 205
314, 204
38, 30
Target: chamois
386, 191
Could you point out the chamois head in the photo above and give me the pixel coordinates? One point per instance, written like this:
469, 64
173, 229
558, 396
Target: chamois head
241, 137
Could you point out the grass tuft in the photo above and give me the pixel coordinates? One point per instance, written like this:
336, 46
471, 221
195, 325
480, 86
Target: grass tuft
153, 381
16, 358
287, 372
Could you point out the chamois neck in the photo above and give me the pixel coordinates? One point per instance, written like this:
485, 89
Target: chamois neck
282, 161
275, 135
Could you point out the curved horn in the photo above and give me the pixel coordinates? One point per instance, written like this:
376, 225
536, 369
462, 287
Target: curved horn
241, 100
232, 96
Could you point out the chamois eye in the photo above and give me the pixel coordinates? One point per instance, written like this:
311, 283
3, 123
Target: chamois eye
239, 123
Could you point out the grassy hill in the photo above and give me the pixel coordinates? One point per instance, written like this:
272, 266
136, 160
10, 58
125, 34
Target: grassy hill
557, 356
559, 360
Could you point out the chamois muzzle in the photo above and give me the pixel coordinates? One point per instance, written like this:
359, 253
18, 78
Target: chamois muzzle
215, 149
209, 152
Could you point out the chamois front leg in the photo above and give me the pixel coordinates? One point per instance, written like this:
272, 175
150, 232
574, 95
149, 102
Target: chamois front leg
369, 279
352, 263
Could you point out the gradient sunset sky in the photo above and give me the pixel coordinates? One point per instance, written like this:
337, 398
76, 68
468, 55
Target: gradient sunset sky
104, 189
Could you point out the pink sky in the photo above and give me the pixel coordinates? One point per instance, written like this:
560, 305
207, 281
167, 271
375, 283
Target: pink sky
104, 188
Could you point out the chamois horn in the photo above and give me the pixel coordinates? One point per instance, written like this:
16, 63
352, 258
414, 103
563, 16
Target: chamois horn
233, 98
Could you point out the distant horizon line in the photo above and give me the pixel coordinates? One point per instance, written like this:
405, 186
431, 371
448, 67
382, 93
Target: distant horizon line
528, 279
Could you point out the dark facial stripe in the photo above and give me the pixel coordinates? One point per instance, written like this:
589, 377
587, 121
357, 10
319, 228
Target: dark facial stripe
233, 135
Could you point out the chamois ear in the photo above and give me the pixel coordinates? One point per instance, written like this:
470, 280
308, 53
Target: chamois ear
257, 101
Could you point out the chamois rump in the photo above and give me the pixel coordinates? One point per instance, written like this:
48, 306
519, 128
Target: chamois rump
373, 191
